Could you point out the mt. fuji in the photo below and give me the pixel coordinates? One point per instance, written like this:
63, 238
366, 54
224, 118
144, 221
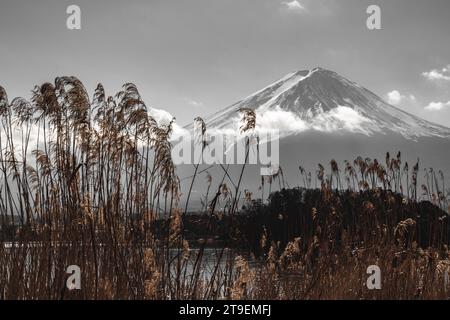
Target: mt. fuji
322, 116
322, 100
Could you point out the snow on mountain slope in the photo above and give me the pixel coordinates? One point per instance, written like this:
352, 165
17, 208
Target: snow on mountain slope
324, 101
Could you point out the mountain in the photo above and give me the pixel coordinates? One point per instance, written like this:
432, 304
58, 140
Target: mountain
325, 101
322, 116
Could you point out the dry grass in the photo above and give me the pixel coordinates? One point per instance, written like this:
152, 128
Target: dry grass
326, 240
89, 179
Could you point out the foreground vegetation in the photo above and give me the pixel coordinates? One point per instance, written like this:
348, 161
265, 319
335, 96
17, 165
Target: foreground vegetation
90, 182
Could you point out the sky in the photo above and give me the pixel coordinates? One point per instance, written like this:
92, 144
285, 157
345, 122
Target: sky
194, 57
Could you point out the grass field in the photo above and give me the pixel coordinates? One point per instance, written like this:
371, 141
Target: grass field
88, 182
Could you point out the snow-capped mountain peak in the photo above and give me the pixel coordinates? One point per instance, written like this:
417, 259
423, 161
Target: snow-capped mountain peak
322, 100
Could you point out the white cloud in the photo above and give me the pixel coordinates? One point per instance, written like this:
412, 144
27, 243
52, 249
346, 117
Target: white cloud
193, 103
293, 5
341, 118
436, 106
435, 74
394, 97
163, 118
279, 119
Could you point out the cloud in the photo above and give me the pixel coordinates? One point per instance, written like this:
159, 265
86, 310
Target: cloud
317, 8
340, 118
394, 97
437, 106
193, 103
279, 119
435, 74
163, 118
294, 5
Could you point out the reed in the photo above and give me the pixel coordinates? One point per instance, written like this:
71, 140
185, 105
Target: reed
91, 182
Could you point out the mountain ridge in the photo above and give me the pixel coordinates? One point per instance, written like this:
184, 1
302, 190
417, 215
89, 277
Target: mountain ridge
321, 99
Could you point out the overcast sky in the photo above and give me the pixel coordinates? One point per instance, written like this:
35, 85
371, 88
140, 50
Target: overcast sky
193, 57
